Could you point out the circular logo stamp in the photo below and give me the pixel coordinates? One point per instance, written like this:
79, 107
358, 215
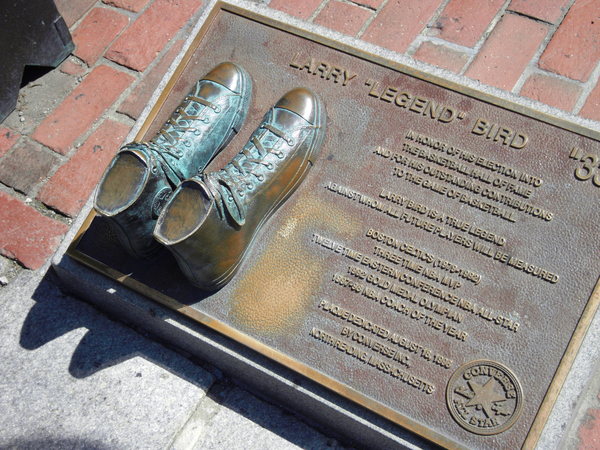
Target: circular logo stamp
484, 397
160, 200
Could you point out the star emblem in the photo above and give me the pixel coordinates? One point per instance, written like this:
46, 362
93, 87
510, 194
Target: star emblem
485, 396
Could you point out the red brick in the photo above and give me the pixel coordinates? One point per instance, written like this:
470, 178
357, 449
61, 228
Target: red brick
25, 234
139, 97
129, 5
589, 431
507, 51
81, 108
464, 21
7, 138
70, 187
370, 3
302, 9
399, 22
148, 35
95, 33
548, 10
26, 166
73, 10
72, 68
343, 17
574, 49
552, 91
591, 108
441, 56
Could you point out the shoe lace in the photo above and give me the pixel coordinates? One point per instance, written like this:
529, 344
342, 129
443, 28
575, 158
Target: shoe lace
242, 174
181, 121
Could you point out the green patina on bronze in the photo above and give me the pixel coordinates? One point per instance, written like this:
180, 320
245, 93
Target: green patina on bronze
143, 175
239, 198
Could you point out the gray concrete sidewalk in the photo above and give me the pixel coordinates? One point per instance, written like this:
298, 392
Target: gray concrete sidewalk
73, 378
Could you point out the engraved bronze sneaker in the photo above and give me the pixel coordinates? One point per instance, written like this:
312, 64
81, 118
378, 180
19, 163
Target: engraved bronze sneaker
143, 175
210, 222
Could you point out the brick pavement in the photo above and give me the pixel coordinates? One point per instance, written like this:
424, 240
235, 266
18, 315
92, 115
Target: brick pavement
547, 50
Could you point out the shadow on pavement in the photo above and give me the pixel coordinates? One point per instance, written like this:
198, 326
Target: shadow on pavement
106, 342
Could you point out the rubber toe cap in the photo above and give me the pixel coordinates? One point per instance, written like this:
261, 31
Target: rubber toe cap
227, 74
301, 101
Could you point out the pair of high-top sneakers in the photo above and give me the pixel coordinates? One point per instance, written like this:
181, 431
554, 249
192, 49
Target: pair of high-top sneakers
157, 191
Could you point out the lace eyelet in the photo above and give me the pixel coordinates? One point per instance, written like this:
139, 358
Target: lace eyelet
290, 142
217, 109
241, 193
279, 155
205, 120
261, 178
187, 144
249, 186
230, 198
196, 132
270, 166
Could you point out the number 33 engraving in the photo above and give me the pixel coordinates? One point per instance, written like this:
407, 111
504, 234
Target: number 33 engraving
590, 168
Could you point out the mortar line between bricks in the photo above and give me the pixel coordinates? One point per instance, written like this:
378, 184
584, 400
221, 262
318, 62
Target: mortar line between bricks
75, 59
76, 24
56, 211
98, 4
412, 48
22, 137
484, 37
81, 139
371, 19
35, 204
533, 63
527, 16
451, 45
48, 150
40, 184
110, 114
318, 10
588, 87
128, 120
131, 14
177, 36
554, 28
361, 6
103, 60
537, 71
139, 76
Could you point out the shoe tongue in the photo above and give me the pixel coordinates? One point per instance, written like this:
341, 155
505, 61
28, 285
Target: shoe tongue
236, 214
222, 191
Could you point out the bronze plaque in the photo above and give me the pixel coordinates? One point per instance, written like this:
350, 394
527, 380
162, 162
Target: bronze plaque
438, 263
